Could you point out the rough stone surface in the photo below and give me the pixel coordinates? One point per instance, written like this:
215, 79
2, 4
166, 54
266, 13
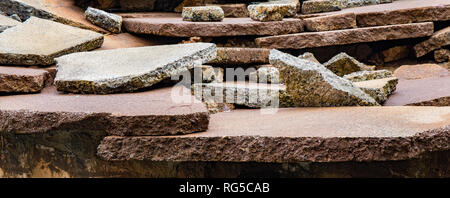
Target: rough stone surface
107, 21
379, 89
317, 6
39, 41
312, 85
442, 55
298, 135
254, 95
6, 22
265, 74
395, 53
308, 56
358, 3
203, 13
235, 55
348, 36
174, 27
411, 72
145, 113
331, 22
439, 39
198, 74
233, 10
434, 91
343, 64
22, 80
268, 12
368, 75
103, 72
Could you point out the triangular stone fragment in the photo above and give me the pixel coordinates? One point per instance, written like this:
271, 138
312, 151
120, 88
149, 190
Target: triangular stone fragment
379, 89
312, 85
128, 69
343, 64
38, 41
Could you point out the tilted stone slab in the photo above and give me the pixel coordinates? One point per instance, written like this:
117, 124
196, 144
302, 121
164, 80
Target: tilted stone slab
107, 21
439, 39
348, 36
236, 55
22, 80
331, 22
129, 69
175, 27
39, 41
152, 112
379, 89
343, 134
6, 22
310, 84
368, 75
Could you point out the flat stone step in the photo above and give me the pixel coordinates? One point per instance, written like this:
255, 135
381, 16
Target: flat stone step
146, 113
39, 41
348, 36
22, 80
6, 22
176, 27
297, 135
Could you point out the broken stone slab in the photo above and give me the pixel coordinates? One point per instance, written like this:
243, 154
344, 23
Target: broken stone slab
310, 84
343, 64
155, 112
395, 53
442, 55
238, 10
437, 40
359, 3
203, 13
236, 55
22, 80
317, 6
66, 13
265, 74
348, 36
39, 41
6, 22
250, 94
331, 22
107, 21
270, 11
308, 56
411, 72
103, 72
174, 27
433, 91
368, 75
343, 134
379, 89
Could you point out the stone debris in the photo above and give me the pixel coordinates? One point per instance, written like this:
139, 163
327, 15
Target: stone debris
348, 36
317, 6
331, 22
411, 72
22, 80
379, 89
265, 74
203, 13
235, 55
343, 64
271, 11
368, 75
395, 53
39, 41
105, 20
439, 39
174, 27
442, 55
102, 72
6, 22
310, 84
233, 10
308, 56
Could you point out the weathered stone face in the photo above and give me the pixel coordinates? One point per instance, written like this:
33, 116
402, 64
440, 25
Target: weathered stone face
104, 72
266, 74
343, 64
368, 75
203, 13
22, 80
309, 56
293, 8
395, 53
270, 12
379, 89
107, 21
331, 22
38, 41
442, 55
6, 22
317, 6
235, 55
439, 39
312, 85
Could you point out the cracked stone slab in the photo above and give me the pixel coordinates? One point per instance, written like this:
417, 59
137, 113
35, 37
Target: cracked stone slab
176, 27
437, 40
347, 36
107, 21
331, 22
343, 64
368, 75
342, 134
6, 22
236, 55
309, 84
39, 41
379, 89
146, 113
22, 80
103, 72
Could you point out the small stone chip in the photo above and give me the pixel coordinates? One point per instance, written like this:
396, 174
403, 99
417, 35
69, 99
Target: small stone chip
203, 13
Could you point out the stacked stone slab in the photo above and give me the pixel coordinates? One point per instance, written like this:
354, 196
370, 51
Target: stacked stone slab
317, 6
437, 40
331, 22
203, 13
22, 80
